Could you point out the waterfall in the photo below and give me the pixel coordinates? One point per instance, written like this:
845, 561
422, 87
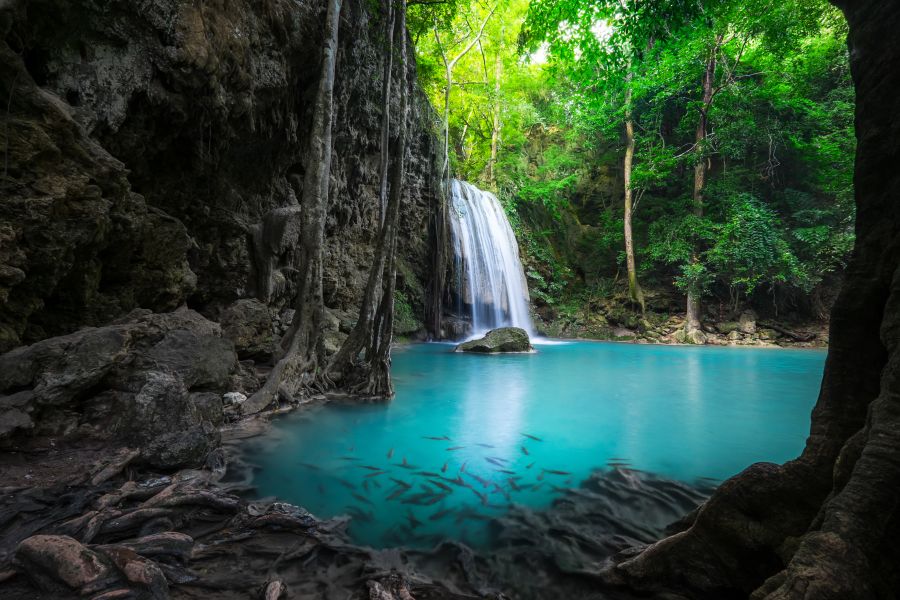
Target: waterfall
490, 282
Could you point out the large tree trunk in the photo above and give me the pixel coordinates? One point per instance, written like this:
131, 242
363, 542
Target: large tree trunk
302, 343
692, 318
634, 288
378, 381
824, 526
362, 331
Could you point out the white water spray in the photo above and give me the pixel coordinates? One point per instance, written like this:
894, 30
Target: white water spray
490, 280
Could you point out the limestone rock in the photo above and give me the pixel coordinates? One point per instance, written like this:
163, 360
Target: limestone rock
131, 381
747, 322
503, 339
248, 324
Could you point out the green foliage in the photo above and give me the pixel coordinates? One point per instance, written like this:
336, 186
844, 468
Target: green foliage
778, 207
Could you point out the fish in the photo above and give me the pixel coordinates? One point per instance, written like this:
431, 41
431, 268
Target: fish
558, 489
397, 494
537, 486
427, 489
486, 445
481, 496
376, 484
406, 465
370, 467
390, 454
483, 482
458, 481
506, 471
361, 498
444, 468
569, 481
348, 458
419, 499
376, 474
494, 461
401, 483
555, 472
442, 486
443, 438
462, 469
346, 484
427, 474
524, 450
413, 521
532, 437
308, 466
512, 484
540, 477
359, 515
470, 514
440, 514
434, 500
529, 466
452, 448
321, 488
366, 485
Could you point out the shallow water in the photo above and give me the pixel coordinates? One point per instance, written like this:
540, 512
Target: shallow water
519, 429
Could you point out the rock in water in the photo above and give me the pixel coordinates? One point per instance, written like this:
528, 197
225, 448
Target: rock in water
502, 339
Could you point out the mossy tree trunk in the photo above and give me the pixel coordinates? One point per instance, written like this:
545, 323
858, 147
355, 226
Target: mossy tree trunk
301, 346
369, 374
692, 318
360, 336
634, 288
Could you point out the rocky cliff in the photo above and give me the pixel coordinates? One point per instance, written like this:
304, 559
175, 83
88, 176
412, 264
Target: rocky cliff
147, 148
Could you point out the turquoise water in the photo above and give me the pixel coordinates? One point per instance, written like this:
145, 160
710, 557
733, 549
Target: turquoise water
469, 435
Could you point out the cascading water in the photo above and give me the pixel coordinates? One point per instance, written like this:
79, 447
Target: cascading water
490, 288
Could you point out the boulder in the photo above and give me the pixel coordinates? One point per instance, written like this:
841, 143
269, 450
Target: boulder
501, 340
747, 322
56, 562
150, 380
727, 327
249, 324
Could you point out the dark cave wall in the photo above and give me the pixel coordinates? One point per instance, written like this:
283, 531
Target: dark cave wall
147, 140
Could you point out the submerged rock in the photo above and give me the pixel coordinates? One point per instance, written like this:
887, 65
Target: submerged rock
503, 339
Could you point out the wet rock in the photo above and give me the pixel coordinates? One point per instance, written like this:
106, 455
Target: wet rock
727, 327
747, 322
55, 560
234, 398
503, 339
130, 381
248, 324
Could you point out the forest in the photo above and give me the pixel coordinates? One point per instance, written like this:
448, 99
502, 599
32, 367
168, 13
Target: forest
655, 149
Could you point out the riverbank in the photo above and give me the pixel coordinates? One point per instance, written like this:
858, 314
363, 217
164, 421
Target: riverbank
80, 520
624, 325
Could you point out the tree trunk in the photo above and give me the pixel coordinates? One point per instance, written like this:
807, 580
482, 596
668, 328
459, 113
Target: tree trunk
692, 319
823, 526
495, 129
363, 329
302, 343
378, 383
634, 288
